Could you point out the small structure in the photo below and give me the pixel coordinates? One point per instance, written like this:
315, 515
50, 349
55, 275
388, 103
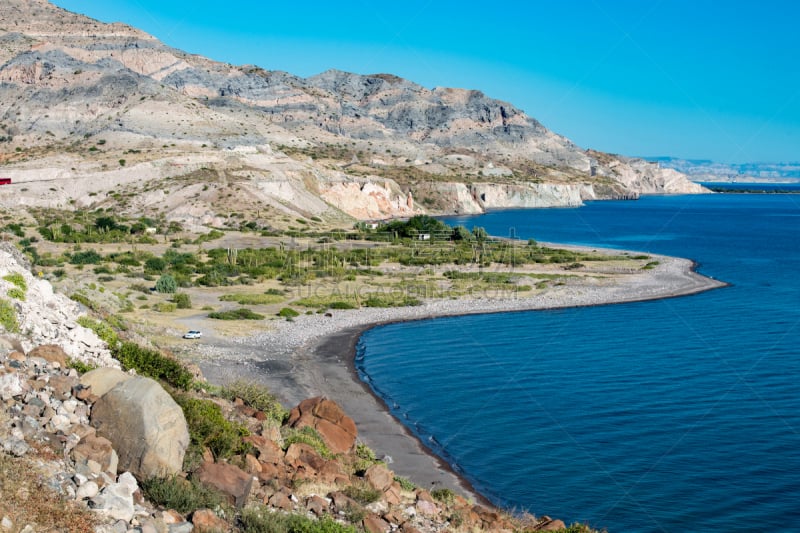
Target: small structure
424, 237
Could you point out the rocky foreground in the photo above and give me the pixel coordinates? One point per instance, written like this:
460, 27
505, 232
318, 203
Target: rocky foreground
93, 439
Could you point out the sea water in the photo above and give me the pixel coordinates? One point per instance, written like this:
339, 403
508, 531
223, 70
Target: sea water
680, 414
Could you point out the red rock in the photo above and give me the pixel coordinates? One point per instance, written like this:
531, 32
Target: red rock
379, 477
392, 495
50, 353
336, 428
342, 501
172, 516
302, 455
317, 505
205, 521
410, 529
280, 500
62, 386
375, 524
16, 356
553, 525
97, 449
424, 495
230, 480
252, 466
268, 450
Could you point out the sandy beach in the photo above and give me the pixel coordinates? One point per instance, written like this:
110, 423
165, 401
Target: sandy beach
313, 355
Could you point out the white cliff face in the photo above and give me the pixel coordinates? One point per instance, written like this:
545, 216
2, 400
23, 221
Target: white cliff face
530, 195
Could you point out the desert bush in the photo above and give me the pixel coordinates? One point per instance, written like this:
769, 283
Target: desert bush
208, 428
252, 299
153, 364
305, 435
8, 316
236, 314
183, 495
165, 307
446, 496
256, 396
288, 312
102, 329
17, 279
182, 301
16, 293
405, 483
263, 520
363, 493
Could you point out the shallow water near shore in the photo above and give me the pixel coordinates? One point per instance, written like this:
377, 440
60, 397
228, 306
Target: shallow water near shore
670, 415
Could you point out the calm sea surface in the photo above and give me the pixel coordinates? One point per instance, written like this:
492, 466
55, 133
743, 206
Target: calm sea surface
673, 415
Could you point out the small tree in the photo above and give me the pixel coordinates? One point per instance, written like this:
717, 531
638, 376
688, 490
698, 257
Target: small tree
166, 284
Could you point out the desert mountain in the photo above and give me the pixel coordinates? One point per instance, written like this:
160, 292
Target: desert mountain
103, 115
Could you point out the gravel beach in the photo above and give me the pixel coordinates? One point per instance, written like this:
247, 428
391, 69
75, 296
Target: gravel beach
313, 354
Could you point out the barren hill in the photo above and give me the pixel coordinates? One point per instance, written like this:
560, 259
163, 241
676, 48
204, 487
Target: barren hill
103, 115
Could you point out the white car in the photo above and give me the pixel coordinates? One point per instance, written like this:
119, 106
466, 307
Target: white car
192, 334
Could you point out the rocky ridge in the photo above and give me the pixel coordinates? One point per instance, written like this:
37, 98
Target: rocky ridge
94, 114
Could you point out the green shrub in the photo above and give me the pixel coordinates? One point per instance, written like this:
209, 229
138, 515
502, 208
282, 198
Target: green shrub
84, 300
288, 312
363, 493
80, 366
153, 364
263, 520
8, 316
405, 483
89, 257
165, 307
252, 299
236, 314
445, 496
256, 396
208, 428
16, 293
182, 301
183, 495
166, 284
17, 279
342, 305
305, 435
101, 329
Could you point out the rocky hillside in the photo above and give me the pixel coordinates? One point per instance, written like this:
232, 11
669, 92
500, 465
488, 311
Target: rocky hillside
85, 446
104, 115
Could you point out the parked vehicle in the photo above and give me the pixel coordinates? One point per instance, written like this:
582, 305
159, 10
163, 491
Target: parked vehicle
5, 181
192, 334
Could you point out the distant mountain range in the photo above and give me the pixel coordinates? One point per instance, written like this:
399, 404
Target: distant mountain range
104, 115
710, 171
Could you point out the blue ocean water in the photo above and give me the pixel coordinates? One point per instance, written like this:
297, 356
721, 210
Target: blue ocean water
680, 414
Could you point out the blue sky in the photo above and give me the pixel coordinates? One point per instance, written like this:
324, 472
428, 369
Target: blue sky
696, 79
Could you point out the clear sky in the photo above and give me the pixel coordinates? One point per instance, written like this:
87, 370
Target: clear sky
696, 79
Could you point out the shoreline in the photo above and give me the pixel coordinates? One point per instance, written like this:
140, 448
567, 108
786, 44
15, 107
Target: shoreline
314, 355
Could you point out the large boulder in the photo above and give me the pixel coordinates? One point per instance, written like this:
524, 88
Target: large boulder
101, 380
145, 425
336, 428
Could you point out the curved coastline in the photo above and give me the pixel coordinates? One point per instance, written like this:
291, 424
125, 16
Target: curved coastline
315, 356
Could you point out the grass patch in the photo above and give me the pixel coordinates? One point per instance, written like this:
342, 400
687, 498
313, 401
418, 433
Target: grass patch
180, 494
305, 435
253, 299
363, 493
288, 312
27, 498
236, 314
256, 396
263, 520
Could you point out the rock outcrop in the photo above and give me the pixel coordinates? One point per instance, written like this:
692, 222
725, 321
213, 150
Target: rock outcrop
336, 428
